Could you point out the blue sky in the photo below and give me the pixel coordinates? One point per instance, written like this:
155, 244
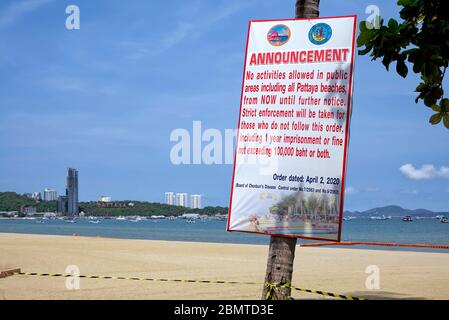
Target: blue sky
105, 98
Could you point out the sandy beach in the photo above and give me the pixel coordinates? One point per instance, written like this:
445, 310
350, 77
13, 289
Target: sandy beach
403, 275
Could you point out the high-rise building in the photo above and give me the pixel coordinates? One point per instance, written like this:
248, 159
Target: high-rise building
72, 192
195, 201
181, 199
61, 205
50, 194
169, 198
36, 196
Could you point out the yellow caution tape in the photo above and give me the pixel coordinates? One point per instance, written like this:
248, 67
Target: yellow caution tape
271, 286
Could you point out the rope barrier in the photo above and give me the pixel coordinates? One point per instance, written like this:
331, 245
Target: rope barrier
64, 275
370, 243
271, 286
329, 294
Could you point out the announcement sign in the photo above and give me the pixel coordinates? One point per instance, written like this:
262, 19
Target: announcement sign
293, 128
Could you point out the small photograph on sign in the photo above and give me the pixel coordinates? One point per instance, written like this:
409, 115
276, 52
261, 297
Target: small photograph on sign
295, 214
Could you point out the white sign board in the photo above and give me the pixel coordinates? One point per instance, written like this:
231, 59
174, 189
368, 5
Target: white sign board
293, 128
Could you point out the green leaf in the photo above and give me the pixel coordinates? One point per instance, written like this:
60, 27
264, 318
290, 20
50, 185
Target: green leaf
363, 38
431, 71
386, 62
436, 108
364, 26
421, 87
401, 68
411, 51
436, 118
446, 120
364, 51
406, 3
445, 104
429, 100
417, 66
437, 59
393, 25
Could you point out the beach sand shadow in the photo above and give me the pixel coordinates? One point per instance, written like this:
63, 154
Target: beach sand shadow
384, 295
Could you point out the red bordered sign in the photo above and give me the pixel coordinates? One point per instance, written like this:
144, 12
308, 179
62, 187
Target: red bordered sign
293, 131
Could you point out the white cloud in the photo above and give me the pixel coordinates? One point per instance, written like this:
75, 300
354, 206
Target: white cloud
426, 172
65, 83
16, 10
350, 190
409, 192
202, 22
185, 29
444, 172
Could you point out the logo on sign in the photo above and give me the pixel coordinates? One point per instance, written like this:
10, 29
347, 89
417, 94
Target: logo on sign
320, 33
278, 35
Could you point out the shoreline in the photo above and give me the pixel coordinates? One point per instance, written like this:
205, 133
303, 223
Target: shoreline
403, 274
354, 247
215, 243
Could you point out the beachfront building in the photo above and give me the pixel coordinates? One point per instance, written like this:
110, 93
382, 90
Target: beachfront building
28, 210
36, 196
72, 192
181, 199
50, 194
61, 205
195, 201
170, 198
105, 199
190, 216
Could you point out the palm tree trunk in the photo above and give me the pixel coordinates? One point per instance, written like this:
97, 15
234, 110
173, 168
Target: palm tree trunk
279, 268
307, 8
281, 254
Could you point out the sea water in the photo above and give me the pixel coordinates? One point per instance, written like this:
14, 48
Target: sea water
428, 231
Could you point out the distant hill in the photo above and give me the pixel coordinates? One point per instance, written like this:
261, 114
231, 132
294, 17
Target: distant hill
11, 201
394, 211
